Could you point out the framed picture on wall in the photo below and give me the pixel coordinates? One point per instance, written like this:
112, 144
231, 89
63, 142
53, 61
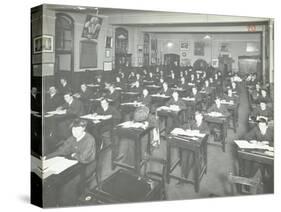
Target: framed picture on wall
199, 48
108, 42
107, 53
184, 46
107, 66
215, 63
43, 43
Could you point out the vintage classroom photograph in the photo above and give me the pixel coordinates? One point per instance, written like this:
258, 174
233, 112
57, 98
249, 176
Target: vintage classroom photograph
139, 105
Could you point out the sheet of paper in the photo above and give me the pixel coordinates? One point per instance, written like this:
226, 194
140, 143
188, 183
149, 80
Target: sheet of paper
180, 131
132, 124
57, 112
243, 144
96, 117
51, 166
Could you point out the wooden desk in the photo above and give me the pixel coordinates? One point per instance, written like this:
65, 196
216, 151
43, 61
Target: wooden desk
191, 106
222, 123
124, 186
98, 128
136, 135
233, 109
164, 114
53, 186
259, 157
159, 100
129, 96
199, 150
153, 89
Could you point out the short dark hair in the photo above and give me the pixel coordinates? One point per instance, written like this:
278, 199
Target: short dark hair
262, 120
68, 93
79, 123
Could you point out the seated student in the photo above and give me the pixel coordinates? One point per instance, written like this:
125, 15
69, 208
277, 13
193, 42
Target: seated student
136, 87
165, 90
150, 77
118, 83
262, 111
145, 98
230, 96
197, 124
206, 88
174, 121
192, 80
132, 77
107, 109
113, 95
256, 93
194, 94
80, 146
35, 100
98, 80
139, 78
264, 97
221, 109
260, 133
172, 80
72, 105
218, 107
183, 84
234, 88
64, 87
53, 100
85, 94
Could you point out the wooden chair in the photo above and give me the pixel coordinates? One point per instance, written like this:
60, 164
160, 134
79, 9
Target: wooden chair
155, 175
246, 186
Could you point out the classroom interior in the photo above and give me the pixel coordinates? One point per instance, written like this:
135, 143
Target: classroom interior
228, 60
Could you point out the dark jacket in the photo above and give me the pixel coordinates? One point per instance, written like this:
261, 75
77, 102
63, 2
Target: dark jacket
52, 103
75, 108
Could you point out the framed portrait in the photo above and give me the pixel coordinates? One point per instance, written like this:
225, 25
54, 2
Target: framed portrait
42, 44
92, 27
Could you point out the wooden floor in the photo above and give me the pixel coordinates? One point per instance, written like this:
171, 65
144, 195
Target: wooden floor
219, 163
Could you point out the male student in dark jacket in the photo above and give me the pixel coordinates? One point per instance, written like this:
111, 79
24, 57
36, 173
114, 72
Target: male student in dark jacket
221, 109
174, 119
166, 90
35, 100
74, 109
261, 133
145, 98
53, 99
262, 111
111, 111
113, 96
80, 146
197, 124
64, 87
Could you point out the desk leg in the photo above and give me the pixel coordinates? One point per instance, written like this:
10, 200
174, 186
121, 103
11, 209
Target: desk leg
168, 162
197, 170
205, 154
223, 131
138, 154
114, 152
148, 147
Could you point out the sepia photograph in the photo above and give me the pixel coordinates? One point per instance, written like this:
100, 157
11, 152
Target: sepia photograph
142, 105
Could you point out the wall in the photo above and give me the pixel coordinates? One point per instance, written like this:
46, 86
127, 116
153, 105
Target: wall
237, 45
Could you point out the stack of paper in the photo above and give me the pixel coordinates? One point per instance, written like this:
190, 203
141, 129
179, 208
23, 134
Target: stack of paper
243, 144
227, 103
215, 114
96, 117
171, 108
160, 95
57, 112
192, 133
188, 98
132, 124
51, 166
